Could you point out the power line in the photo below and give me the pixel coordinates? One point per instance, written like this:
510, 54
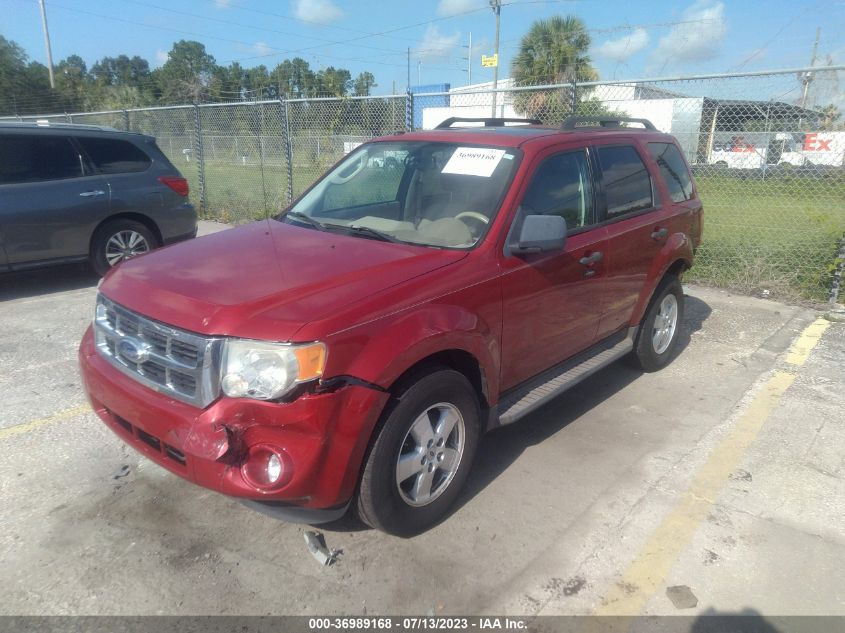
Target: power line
248, 26
282, 16
381, 33
277, 51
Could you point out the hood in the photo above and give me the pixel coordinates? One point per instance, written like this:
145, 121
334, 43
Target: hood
264, 280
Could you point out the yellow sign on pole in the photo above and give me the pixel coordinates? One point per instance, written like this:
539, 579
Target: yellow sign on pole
490, 61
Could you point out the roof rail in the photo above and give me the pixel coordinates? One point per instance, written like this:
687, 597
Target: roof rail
487, 121
577, 122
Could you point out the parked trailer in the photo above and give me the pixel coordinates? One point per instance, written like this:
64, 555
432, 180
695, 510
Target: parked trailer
754, 150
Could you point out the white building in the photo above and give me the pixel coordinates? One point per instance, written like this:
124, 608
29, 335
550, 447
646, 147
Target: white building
699, 123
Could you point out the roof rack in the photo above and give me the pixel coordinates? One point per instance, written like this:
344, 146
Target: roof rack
487, 121
46, 123
578, 122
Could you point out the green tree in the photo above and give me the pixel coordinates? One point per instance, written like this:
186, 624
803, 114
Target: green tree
73, 84
24, 85
256, 83
829, 116
333, 82
187, 74
553, 51
364, 82
12, 68
122, 71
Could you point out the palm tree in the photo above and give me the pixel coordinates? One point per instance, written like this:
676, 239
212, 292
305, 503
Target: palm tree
829, 115
553, 51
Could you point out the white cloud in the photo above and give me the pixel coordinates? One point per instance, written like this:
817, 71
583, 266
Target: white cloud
322, 11
624, 47
700, 36
435, 45
262, 48
454, 7
161, 57
222, 4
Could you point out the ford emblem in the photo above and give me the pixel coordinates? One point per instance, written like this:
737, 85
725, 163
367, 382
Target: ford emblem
133, 351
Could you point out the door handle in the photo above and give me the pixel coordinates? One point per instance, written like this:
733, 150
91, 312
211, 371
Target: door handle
659, 234
589, 260
91, 194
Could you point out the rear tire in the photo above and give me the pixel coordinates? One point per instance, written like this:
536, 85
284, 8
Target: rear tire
422, 454
119, 240
658, 334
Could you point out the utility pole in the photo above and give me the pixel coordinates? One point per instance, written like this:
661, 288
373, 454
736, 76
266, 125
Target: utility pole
496, 5
409, 71
419, 72
469, 60
47, 44
807, 77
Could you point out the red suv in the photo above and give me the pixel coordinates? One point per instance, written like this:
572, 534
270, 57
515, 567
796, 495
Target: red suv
430, 287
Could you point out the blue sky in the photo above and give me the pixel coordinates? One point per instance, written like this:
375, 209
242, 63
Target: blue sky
630, 38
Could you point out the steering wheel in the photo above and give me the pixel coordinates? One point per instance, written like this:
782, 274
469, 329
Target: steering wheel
475, 215
338, 179
479, 221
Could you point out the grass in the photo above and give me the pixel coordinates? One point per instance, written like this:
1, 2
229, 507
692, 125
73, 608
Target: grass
779, 235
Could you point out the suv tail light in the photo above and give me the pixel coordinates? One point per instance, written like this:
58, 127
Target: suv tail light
179, 185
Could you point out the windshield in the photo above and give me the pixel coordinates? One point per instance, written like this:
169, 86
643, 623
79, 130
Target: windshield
435, 194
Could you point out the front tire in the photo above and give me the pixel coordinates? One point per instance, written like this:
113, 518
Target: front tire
422, 454
658, 335
117, 241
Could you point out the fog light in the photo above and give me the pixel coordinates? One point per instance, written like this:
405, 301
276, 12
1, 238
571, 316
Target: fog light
266, 467
274, 468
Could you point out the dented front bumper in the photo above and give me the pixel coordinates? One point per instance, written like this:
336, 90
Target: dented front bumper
323, 436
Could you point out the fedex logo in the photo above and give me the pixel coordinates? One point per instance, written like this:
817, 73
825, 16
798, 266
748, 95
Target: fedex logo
812, 143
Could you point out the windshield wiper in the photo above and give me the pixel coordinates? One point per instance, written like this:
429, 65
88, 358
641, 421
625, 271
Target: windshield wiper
305, 219
366, 230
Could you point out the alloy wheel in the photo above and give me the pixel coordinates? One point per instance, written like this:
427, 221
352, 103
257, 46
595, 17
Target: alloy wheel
665, 324
125, 244
430, 454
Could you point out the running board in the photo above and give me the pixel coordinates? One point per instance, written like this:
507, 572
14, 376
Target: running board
554, 382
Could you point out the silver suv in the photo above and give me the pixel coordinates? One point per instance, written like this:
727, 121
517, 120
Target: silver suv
72, 193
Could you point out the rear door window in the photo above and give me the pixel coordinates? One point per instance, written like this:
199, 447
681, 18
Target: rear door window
113, 156
673, 169
626, 181
31, 158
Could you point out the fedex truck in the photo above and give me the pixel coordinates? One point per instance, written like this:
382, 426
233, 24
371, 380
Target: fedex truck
753, 150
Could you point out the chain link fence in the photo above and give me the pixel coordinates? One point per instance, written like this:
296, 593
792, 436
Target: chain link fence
767, 153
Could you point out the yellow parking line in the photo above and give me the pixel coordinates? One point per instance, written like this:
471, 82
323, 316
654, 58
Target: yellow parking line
804, 344
26, 427
650, 568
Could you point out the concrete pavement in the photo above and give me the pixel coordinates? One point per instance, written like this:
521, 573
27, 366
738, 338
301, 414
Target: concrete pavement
716, 474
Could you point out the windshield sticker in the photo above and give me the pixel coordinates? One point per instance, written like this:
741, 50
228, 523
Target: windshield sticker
474, 161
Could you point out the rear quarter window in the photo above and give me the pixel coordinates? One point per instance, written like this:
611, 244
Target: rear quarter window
113, 156
673, 169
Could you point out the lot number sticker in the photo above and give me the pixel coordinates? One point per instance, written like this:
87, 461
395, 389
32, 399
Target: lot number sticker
474, 161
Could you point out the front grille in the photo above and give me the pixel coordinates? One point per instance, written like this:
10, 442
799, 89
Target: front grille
181, 364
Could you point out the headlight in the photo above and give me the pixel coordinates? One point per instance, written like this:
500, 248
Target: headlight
266, 371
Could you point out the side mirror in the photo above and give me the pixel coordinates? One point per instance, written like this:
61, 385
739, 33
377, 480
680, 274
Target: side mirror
538, 234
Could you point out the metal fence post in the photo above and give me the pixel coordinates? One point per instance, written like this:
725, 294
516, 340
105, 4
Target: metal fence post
288, 146
409, 111
836, 283
200, 161
258, 112
126, 119
574, 97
